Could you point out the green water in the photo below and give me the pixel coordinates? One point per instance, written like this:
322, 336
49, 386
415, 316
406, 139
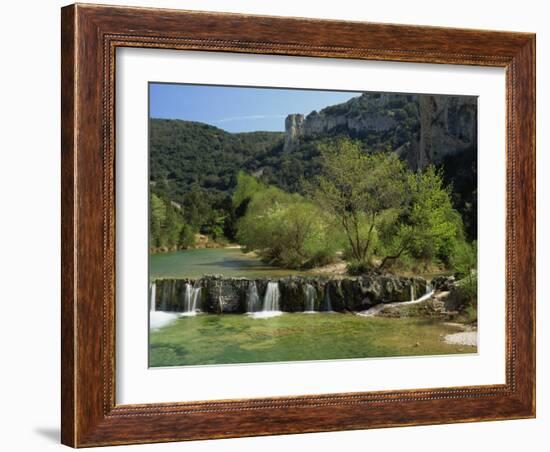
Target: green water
231, 262
237, 338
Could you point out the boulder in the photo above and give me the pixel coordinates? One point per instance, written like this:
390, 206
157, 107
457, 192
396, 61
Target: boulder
443, 283
432, 308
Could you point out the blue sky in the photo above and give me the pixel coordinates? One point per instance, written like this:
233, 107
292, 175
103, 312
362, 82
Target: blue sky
237, 109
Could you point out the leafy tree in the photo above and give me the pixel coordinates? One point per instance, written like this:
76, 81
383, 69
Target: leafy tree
356, 188
186, 237
285, 229
197, 210
464, 262
428, 226
247, 187
158, 215
172, 225
167, 227
464, 259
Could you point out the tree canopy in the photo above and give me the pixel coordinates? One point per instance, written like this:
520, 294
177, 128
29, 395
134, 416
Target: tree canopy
285, 229
356, 188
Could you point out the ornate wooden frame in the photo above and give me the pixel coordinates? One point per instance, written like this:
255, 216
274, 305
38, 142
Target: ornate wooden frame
90, 35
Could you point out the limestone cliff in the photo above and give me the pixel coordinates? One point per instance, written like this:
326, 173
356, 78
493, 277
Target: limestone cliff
421, 128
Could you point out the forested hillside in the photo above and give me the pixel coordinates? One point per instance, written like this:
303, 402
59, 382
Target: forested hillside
187, 154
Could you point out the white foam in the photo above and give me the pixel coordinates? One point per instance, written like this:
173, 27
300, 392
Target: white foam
160, 319
264, 314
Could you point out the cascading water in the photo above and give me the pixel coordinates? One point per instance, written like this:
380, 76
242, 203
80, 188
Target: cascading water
159, 319
270, 303
187, 297
252, 298
272, 297
168, 294
429, 288
196, 298
327, 303
311, 296
191, 299
153, 298
379, 307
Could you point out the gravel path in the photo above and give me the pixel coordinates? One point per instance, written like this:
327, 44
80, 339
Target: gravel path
463, 338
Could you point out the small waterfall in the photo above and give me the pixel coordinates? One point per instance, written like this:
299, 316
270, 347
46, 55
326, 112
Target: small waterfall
153, 298
191, 299
168, 294
187, 297
327, 303
196, 298
272, 297
159, 319
379, 307
311, 296
429, 288
252, 298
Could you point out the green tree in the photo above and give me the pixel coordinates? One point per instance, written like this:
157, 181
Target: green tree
247, 187
428, 226
186, 236
167, 226
285, 229
172, 226
464, 259
357, 188
158, 214
464, 262
197, 208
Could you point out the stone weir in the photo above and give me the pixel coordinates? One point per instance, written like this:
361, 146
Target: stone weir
217, 294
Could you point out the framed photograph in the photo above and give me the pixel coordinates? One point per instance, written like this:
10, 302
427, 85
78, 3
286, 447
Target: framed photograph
281, 225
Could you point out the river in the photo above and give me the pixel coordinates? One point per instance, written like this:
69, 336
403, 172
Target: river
231, 262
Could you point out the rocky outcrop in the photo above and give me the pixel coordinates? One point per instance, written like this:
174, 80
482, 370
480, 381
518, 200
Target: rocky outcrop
443, 283
294, 128
229, 295
422, 129
454, 294
432, 308
448, 126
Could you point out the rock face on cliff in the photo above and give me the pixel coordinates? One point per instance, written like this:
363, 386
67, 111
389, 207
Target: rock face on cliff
422, 129
294, 126
219, 294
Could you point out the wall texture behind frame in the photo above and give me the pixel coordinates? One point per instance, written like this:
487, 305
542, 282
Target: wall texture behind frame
30, 185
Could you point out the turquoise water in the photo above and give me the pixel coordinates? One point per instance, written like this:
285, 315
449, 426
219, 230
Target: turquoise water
239, 338
230, 262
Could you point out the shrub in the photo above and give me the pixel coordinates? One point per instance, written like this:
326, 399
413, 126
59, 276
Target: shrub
356, 268
187, 237
285, 229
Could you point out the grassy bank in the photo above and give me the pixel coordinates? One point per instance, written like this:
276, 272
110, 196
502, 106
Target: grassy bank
225, 339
